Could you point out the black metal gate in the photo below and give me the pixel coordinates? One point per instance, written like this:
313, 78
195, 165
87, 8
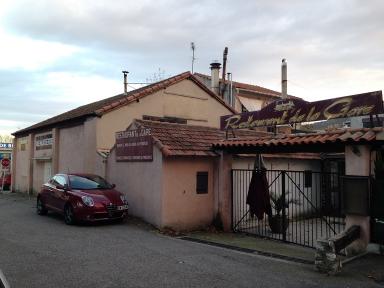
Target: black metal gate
310, 207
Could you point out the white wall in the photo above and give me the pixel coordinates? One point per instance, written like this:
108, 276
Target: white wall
306, 198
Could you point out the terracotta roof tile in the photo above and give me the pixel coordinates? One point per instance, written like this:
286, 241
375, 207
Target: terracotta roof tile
361, 135
188, 140
369, 135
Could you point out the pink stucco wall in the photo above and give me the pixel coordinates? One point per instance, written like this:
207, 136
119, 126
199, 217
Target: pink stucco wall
141, 182
182, 207
163, 192
224, 189
71, 149
358, 162
21, 160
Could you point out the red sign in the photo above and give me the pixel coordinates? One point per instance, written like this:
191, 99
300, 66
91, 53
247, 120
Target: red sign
296, 111
134, 145
5, 162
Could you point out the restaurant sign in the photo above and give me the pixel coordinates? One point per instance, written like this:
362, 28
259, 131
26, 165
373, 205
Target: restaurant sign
134, 145
296, 111
44, 142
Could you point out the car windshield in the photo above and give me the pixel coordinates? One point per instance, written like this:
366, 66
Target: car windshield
88, 182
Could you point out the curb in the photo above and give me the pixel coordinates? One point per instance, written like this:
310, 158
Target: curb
249, 251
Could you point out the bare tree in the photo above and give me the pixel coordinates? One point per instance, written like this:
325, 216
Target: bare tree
4, 138
156, 77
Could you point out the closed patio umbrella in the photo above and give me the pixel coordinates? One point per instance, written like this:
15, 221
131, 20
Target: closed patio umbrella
258, 194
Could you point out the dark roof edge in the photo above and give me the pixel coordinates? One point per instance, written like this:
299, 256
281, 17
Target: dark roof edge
62, 124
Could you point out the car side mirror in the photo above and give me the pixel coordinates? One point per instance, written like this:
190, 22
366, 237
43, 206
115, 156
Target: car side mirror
62, 187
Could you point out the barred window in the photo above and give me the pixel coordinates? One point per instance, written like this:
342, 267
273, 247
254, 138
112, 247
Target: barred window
202, 182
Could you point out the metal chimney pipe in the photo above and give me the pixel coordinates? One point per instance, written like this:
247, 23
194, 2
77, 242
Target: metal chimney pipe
231, 101
215, 77
225, 54
125, 81
284, 79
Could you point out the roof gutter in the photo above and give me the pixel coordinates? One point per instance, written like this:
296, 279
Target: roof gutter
75, 121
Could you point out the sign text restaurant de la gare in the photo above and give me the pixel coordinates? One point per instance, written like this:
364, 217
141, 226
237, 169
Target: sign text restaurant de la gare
296, 110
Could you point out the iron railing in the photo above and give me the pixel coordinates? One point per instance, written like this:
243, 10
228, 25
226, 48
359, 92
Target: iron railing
312, 206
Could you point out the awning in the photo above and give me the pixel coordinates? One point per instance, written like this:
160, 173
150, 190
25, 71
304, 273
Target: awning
249, 103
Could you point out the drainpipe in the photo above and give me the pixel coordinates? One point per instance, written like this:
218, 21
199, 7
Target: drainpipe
231, 101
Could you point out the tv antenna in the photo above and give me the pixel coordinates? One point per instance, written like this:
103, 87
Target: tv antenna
193, 47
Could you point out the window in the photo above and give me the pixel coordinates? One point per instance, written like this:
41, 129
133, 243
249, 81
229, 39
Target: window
88, 182
308, 179
59, 180
202, 182
271, 129
347, 124
22, 143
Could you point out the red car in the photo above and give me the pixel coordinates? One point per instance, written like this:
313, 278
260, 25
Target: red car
81, 197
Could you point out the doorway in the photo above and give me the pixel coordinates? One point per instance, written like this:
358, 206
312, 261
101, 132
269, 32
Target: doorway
47, 171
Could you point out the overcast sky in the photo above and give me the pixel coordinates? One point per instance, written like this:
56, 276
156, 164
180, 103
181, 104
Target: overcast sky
57, 55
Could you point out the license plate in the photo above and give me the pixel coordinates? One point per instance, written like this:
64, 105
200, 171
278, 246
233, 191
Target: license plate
123, 207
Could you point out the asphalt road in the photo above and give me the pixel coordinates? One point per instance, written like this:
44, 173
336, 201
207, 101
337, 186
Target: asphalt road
41, 251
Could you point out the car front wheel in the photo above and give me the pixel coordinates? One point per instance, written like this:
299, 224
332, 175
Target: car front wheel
69, 216
40, 208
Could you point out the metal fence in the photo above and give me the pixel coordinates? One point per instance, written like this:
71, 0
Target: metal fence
306, 206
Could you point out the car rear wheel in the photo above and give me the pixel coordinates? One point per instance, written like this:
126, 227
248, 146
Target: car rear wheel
40, 208
69, 216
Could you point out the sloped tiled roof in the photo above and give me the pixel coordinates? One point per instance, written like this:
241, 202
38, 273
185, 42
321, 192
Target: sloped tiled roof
188, 140
106, 105
249, 87
341, 136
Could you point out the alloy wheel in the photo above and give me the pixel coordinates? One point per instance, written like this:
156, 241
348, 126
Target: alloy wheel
40, 209
68, 215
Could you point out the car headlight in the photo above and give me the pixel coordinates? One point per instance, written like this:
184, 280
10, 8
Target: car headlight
123, 199
88, 201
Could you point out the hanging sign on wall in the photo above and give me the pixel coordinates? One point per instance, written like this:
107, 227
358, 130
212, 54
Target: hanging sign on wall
134, 145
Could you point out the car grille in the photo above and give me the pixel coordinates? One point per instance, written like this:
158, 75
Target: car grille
112, 209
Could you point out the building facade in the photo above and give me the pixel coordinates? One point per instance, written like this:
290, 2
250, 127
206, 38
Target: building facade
80, 139
180, 186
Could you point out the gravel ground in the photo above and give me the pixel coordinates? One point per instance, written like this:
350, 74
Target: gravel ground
41, 251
